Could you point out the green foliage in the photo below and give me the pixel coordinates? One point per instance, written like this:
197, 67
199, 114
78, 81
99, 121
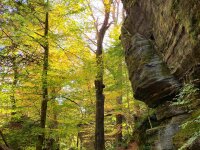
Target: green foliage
189, 132
190, 141
190, 129
21, 132
71, 75
187, 94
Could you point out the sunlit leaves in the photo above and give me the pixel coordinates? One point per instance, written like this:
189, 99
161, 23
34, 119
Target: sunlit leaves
72, 67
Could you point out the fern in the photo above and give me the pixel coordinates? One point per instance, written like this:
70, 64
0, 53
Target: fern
190, 141
186, 95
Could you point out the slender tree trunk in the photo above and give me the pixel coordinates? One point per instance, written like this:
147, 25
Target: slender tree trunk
43, 114
99, 126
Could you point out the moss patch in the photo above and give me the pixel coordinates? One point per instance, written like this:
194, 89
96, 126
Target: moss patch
189, 127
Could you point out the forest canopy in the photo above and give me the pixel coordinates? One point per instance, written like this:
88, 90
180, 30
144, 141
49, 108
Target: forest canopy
63, 82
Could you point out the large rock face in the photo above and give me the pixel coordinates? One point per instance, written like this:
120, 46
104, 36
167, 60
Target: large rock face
150, 77
161, 39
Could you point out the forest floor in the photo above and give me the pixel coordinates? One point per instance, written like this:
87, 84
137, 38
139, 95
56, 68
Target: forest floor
131, 146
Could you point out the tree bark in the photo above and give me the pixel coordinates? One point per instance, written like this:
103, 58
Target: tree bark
43, 114
99, 86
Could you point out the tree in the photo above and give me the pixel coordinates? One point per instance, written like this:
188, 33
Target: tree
51, 70
25, 28
45, 96
99, 86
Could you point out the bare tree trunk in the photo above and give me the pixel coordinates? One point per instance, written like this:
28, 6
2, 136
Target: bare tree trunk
99, 127
43, 114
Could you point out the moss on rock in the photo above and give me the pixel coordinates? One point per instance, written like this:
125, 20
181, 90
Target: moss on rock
188, 130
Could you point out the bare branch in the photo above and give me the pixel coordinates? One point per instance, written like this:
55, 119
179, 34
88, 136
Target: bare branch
93, 16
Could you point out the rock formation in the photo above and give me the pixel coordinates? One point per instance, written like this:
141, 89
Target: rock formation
161, 39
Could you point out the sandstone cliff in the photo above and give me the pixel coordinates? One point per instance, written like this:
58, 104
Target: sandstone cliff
161, 39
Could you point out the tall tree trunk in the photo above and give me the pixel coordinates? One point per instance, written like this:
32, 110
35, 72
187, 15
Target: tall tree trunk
99, 126
43, 114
